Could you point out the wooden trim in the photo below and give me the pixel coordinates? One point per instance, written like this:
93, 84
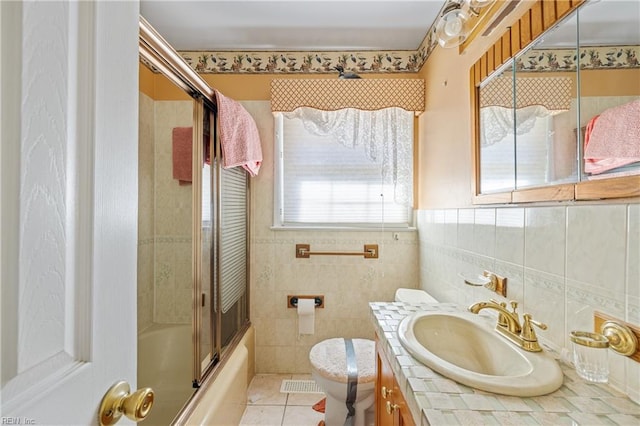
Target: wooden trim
549, 14
548, 193
491, 63
483, 67
525, 29
479, 23
497, 198
622, 187
506, 46
474, 78
562, 8
497, 54
537, 26
516, 44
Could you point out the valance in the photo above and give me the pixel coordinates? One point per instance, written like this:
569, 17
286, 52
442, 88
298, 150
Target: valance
334, 94
553, 93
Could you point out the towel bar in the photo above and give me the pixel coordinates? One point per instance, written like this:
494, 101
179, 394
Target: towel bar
303, 251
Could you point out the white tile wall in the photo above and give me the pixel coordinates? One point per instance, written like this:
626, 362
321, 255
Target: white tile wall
562, 264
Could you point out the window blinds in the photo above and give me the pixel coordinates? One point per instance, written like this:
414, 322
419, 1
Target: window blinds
325, 182
233, 235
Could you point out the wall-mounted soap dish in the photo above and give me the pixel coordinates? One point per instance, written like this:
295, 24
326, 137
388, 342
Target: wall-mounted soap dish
488, 280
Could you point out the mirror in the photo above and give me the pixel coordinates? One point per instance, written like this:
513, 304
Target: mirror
532, 111
497, 140
609, 85
546, 109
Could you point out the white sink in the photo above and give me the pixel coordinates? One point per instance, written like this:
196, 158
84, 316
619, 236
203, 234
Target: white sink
464, 347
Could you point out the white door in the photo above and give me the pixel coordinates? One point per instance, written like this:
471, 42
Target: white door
69, 207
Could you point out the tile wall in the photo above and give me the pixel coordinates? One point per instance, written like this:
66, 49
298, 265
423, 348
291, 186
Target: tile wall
347, 282
562, 264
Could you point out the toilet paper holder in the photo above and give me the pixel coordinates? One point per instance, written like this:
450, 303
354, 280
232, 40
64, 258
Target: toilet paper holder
292, 301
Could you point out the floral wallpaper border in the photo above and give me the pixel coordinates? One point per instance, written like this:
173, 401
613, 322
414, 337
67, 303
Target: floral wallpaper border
405, 61
311, 62
590, 58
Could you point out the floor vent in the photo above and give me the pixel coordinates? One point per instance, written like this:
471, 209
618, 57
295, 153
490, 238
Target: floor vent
300, 386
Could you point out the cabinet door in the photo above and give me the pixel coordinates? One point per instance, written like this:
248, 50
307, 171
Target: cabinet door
391, 408
384, 390
402, 413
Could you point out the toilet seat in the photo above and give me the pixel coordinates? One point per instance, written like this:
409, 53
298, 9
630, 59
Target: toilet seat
328, 358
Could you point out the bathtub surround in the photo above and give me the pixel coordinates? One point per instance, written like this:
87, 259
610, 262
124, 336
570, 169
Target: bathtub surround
347, 282
166, 367
164, 218
223, 396
562, 263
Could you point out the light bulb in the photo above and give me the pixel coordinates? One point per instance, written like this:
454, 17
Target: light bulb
453, 27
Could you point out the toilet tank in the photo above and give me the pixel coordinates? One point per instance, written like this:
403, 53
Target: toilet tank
412, 295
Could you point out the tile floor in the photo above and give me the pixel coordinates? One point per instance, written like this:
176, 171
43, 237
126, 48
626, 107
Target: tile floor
267, 406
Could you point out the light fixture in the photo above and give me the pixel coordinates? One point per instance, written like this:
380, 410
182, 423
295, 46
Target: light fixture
474, 5
452, 28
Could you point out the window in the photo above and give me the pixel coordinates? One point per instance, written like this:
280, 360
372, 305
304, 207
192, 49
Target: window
346, 168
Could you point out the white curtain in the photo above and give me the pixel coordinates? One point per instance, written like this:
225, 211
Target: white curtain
385, 135
497, 122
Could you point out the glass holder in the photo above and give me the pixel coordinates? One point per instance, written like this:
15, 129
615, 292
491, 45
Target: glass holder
590, 355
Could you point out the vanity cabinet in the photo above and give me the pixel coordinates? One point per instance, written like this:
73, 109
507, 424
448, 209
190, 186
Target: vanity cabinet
391, 407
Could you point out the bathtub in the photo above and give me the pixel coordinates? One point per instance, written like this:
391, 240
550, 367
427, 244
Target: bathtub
222, 399
165, 364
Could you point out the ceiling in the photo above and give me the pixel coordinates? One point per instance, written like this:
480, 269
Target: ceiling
294, 25
354, 25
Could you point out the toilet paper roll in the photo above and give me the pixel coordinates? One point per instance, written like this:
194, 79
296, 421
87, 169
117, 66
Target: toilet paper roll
306, 315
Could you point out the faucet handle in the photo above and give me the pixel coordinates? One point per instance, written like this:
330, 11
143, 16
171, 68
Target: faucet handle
514, 310
528, 333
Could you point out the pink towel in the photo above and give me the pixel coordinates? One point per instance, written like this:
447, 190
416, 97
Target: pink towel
239, 136
182, 138
613, 138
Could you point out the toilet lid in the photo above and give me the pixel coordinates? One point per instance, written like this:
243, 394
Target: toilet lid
329, 359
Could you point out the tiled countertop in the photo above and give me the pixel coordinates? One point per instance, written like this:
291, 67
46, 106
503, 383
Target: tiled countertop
435, 400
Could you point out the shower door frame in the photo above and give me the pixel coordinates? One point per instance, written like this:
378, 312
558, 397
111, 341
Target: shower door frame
157, 52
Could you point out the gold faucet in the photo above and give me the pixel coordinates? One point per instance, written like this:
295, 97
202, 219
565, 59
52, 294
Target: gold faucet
509, 324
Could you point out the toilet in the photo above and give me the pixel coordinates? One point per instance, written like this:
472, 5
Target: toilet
412, 295
330, 369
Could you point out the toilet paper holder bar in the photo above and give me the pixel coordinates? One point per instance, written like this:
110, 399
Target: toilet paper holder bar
292, 301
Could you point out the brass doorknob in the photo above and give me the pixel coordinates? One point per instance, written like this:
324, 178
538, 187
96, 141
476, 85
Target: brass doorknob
118, 401
391, 407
